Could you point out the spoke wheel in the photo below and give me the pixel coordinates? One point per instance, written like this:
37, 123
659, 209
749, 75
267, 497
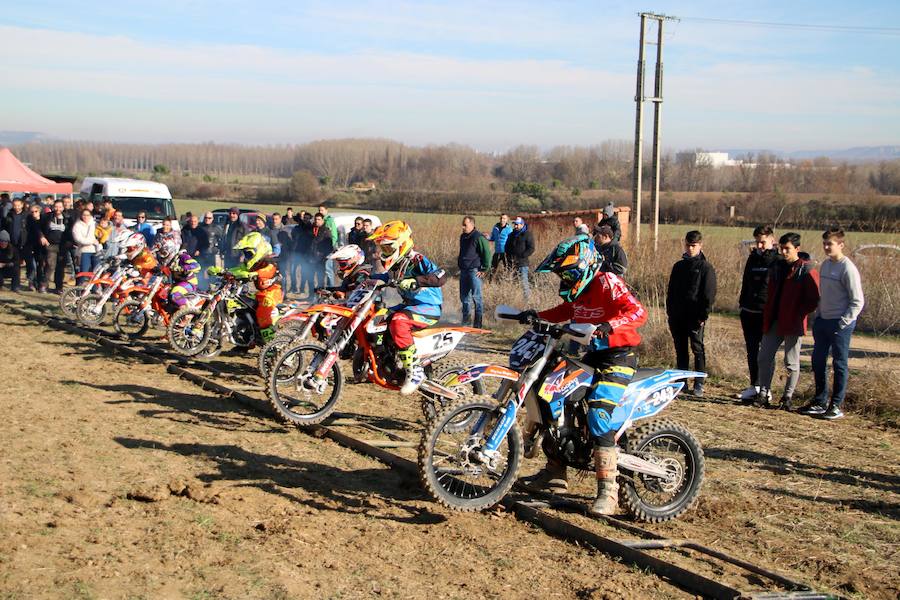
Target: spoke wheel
130, 320
295, 395
68, 301
187, 335
451, 464
671, 446
88, 312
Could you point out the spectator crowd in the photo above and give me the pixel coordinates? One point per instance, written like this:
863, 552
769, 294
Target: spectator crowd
781, 290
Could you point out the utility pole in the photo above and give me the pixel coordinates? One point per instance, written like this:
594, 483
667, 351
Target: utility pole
657, 99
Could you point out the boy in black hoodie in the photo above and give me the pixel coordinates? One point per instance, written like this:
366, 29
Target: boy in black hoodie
752, 301
691, 294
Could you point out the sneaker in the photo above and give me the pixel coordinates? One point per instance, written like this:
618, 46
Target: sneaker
414, 378
763, 398
832, 414
749, 395
785, 403
812, 409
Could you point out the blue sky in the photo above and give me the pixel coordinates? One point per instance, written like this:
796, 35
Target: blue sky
491, 75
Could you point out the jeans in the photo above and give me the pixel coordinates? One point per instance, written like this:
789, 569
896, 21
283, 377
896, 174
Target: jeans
328, 273
828, 337
526, 287
88, 263
56, 267
684, 333
470, 286
752, 324
770, 343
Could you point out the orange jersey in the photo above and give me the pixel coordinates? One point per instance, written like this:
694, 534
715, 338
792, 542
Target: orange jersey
266, 274
145, 262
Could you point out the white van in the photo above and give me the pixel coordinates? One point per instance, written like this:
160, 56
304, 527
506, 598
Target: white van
344, 222
132, 196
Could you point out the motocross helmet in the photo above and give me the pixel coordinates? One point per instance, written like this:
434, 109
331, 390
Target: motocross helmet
347, 258
134, 243
167, 251
576, 261
394, 240
254, 248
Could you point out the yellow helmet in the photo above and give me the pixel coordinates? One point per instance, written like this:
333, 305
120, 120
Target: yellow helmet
394, 240
254, 247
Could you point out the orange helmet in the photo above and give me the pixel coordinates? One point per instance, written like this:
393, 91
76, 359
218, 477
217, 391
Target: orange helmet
394, 240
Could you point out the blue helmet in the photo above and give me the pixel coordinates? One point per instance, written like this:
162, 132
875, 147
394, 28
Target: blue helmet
576, 261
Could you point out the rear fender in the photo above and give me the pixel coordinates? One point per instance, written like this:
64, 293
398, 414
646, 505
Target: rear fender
476, 372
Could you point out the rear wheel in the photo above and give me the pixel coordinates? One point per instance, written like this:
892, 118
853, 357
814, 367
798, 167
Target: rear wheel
188, 331
130, 320
297, 396
68, 301
672, 446
452, 462
90, 311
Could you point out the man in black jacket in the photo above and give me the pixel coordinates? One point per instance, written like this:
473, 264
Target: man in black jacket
690, 297
234, 231
214, 234
16, 225
321, 246
34, 253
610, 219
753, 300
519, 246
53, 227
473, 261
9, 262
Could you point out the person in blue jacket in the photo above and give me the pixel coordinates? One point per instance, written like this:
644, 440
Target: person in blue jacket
499, 235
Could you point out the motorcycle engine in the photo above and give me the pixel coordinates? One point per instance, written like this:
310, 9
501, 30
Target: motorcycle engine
244, 332
570, 443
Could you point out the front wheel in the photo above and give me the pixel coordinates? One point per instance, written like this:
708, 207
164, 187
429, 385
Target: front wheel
91, 310
298, 396
453, 464
68, 301
131, 320
188, 331
270, 350
672, 446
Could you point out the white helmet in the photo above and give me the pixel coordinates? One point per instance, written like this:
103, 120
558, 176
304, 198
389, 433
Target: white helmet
347, 258
133, 244
167, 250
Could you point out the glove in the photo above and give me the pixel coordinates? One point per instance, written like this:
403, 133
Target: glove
409, 284
213, 270
603, 330
527, 316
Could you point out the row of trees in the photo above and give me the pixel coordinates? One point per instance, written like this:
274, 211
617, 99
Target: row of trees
452, 167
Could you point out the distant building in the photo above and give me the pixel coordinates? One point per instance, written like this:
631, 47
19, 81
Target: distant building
708, 159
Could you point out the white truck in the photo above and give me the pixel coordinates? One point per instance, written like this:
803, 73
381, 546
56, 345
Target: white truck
132, 196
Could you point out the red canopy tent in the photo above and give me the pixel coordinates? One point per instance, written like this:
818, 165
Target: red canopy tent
16, 177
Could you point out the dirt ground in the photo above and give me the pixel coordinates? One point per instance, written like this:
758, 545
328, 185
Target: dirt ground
136, 484
120, 481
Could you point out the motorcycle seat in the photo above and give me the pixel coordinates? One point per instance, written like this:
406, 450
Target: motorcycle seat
646, 374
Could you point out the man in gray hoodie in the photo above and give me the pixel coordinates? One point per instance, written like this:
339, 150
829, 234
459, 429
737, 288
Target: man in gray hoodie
840, 302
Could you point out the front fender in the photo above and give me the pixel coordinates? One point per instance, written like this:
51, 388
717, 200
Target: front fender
476, 372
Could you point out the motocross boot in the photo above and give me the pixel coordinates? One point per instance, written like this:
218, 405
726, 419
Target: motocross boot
552, 478
415, 374
267, 334
607, 501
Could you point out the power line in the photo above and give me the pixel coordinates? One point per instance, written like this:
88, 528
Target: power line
860, 29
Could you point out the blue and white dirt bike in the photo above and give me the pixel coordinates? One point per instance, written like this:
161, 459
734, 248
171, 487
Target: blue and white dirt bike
470, 453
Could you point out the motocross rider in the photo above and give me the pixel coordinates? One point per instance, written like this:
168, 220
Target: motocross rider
350, 263
255, 251
183, 268
137, 253
604, 300
419, 282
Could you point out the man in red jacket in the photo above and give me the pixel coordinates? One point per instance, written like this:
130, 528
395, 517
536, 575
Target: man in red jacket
601, 299
793, 293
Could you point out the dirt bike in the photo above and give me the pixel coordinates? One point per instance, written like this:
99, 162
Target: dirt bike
305, 382
152, 306
93, 308
473, 467
68, 299
299, 323
227, 314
